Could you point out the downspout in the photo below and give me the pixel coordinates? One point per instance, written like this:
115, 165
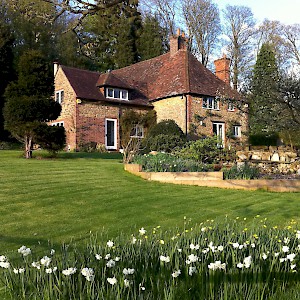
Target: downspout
186, 114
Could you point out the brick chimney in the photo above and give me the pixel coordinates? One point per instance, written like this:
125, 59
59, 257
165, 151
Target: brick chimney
222, 66
178, 41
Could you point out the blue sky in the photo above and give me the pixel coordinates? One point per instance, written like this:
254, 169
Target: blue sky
285, 11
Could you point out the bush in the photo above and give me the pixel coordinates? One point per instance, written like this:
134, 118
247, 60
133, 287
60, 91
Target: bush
92, 147
167, 127
50, 138
241, 172
164, 162
263, 139
164, 143
164, 136
204, 150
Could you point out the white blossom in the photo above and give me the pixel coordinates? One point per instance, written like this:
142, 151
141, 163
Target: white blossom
24, 251
111, 263
19, 271
285, 249
290, 257
217, 265
110, 244
112, 280
98, 256
88, 273
165, 259
69, 271
128, 271
192, 270
176, 273
46, 261
142, 231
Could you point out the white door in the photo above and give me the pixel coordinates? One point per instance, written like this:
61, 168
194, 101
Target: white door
111, 134
219, 130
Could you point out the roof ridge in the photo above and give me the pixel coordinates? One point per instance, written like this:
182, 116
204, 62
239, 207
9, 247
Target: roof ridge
80, 69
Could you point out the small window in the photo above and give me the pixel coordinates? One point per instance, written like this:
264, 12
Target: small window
137, 131
115, 93
210, 103
236, 131
231, 106
59, 97
58, 124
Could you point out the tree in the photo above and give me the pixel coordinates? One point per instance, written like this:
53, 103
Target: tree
6, 70
264, 106
152, 37
239, 29
203, 22
165, 11
111, 38
29, 100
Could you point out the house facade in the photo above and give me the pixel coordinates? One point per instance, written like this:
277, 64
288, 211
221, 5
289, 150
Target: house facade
176, 85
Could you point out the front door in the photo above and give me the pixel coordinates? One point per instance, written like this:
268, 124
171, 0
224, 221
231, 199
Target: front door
111, 134
219, 130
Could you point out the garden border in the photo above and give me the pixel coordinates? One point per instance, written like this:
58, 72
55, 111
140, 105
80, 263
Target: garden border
215, 179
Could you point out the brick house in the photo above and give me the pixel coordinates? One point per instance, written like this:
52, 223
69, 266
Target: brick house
175, 84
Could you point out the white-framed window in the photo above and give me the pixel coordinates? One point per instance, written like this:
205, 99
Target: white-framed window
137, 131
236, 130
115, 93
231, 106
58, 124
59, 96
210, 103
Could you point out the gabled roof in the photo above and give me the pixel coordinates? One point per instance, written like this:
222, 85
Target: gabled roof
160, 77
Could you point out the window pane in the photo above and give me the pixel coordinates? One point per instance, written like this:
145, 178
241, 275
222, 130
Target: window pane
204, 103
110, 93
117, 94
61, 96
124, 94
57, 97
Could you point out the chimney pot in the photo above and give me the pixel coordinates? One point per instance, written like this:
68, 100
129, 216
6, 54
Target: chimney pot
55, 67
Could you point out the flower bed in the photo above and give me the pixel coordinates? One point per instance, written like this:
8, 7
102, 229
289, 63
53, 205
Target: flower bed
228, 260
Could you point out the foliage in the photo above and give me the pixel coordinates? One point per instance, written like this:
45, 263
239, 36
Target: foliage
290, 137
129, 120
204, 150
167, 127
264, 109
269, 139
164, 162
92, 147
28, 100
151, 42
243, 171
213, 260
164, 143
50, 138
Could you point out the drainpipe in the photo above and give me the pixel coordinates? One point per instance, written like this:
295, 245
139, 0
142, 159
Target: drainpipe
186, 114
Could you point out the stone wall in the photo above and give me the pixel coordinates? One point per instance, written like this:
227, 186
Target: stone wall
271, 160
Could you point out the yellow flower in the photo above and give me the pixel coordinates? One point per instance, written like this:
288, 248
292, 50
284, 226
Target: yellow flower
162, 242
245, 229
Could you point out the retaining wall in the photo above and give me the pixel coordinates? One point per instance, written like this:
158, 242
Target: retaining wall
215, 179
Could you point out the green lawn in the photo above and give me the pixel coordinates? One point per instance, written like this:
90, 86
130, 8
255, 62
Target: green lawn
69, 197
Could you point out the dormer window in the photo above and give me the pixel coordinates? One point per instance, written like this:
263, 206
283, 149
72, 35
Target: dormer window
115, 93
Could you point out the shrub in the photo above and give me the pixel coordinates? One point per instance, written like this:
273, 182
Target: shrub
164, 143
92, 147
204, 150
243, 171
167, 127
165, 136
164, 162
263, 139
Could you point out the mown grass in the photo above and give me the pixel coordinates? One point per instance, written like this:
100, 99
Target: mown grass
68, 197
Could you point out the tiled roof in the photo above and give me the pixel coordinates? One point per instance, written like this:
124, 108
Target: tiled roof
151, 80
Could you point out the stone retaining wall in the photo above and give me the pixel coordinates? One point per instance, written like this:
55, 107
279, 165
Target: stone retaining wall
215, 179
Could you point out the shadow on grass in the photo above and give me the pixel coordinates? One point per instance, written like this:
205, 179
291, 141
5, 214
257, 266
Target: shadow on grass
77, 155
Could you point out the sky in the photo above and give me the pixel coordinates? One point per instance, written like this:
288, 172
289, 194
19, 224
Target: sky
285, 11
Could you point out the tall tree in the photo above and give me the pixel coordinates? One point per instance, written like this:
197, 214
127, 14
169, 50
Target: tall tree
264, 106
111, 38
204, 27
29, 101
6, 70
239, 29
152, 39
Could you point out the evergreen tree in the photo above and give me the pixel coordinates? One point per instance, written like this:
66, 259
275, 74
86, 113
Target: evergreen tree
6, 70
29, 101
111, 37
264, 106
151, 41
